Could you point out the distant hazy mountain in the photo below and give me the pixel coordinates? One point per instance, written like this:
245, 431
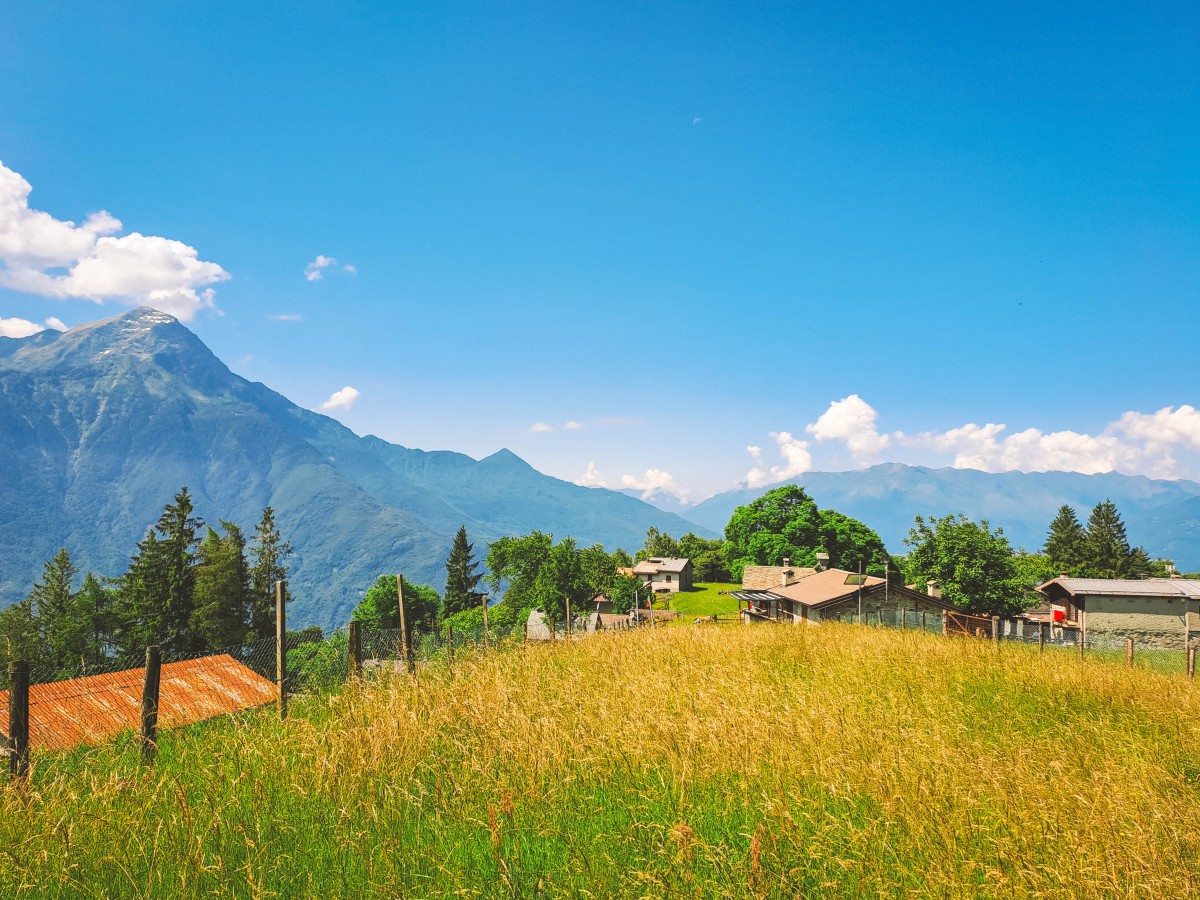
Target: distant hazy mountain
101, 425
1162, 516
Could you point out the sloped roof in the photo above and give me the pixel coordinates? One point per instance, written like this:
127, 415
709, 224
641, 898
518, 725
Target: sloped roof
661, 564
95, 708
1124, 587
823, 586
760, 578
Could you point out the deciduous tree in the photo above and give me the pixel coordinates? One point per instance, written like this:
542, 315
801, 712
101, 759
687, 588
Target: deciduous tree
974, 565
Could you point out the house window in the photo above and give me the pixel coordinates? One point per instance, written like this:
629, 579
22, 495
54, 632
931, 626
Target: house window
668, 579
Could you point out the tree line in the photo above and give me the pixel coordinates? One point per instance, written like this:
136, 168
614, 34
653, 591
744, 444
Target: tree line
189, 588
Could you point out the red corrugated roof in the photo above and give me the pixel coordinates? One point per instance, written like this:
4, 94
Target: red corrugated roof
93, 709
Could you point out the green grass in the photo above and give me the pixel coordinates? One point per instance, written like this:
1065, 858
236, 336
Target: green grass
703, 600
832, 761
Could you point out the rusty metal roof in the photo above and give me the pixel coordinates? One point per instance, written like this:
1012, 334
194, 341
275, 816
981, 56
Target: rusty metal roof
95, 708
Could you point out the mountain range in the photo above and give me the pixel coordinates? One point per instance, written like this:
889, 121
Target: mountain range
1161, 516
100, 426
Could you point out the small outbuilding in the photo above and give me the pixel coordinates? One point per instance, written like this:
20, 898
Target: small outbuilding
1160, 612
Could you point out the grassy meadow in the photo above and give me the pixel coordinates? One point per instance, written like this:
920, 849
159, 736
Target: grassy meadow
702, 600
838, 761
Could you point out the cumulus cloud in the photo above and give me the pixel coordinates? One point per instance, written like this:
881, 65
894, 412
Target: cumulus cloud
539, 428
56, 258
315, 270
851, 421
572, 426
653, 482
19, 328
343, 399
591, 477
796, 460
1161, 444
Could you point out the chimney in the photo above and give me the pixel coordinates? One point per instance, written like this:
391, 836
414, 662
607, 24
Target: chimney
822, 562
932, 589
1064, 574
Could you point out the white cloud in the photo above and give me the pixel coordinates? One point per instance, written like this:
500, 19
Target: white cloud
19, 328
591, 477
315, 270
1163, 428
135, 269
343, 399
653, 482
851, 421
286, 317
797, 461
572, 426
539, 428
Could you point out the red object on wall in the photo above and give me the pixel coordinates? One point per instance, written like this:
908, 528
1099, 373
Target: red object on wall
1059, 615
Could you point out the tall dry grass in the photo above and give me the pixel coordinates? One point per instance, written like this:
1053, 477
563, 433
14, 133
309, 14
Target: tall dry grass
838, 761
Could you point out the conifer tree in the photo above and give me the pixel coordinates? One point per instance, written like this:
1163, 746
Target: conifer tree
268, 564
1108, 552
1066, 543
461, 577
158, 589
221, 612
52, 608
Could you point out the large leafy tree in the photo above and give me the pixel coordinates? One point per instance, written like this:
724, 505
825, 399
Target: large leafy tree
658, 544
707, 556
786, 523
461, 577
380, 606
268, 564
1066, 542
974, 565
513, 564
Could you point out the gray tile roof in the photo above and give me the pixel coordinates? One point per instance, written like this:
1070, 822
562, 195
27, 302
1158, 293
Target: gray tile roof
1128, 587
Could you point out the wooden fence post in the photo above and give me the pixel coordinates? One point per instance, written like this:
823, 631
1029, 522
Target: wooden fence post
945, 622
450, 644
281, 649
525, 632
995, 630
18, 718
1080, 641
150, 690
1041, 637
1191, 661
487, 641
1129, 653
353, 652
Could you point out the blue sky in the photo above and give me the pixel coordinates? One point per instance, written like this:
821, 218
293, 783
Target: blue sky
836, 235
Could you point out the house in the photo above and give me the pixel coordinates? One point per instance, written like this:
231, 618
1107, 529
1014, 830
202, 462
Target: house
1164, 612
95, 708
665, 573
764, 578
838, 595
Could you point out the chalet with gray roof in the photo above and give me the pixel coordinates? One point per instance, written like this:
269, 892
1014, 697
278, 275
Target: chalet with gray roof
1160, 612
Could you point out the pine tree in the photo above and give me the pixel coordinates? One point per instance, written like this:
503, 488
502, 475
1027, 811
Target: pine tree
19, 639
1066, 542
158, 589
461, 577
1108, 550
268, 554
94, 607
52, 607
221, 612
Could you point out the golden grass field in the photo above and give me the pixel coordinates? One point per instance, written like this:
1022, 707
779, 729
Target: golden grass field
709, 761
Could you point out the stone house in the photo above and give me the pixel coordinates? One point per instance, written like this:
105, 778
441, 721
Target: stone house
665, 573
838, 595
1161, 612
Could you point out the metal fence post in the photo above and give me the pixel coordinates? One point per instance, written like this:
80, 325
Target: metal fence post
353, 651
18, 718
150, 692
